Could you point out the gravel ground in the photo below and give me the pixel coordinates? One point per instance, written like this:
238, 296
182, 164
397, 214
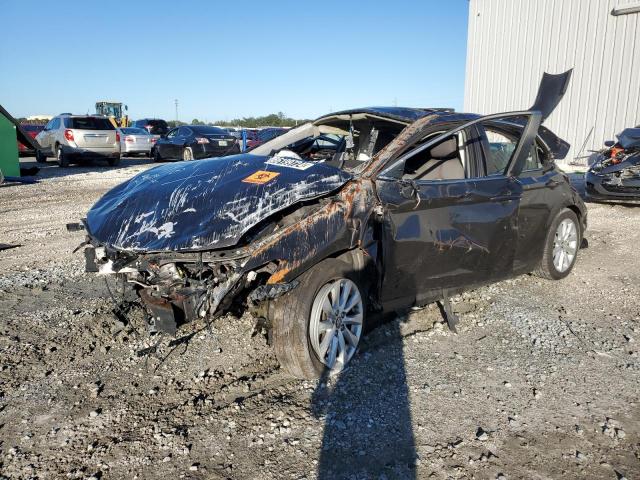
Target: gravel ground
541, 381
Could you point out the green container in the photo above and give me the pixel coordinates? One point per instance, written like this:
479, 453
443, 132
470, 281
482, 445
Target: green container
9, 161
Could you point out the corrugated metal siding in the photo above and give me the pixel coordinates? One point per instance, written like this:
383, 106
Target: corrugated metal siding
512, 42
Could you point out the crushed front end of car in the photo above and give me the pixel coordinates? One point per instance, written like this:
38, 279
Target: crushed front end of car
190, 237
616, 178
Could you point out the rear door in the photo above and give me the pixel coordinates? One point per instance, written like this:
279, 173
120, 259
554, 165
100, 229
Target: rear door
540, 193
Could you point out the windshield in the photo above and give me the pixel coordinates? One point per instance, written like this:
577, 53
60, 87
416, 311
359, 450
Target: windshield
348, 144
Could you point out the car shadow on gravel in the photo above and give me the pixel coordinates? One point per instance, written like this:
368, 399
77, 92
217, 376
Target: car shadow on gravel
368, 431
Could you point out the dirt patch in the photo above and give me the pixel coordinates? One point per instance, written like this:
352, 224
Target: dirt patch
542, 380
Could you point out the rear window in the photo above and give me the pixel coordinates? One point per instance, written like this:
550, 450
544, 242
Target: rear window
134, 131
204, 130
88, 123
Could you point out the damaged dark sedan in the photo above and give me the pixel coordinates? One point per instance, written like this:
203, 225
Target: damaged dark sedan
615, 175
358, 212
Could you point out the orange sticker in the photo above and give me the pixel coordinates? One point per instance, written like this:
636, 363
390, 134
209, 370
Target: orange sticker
260, 177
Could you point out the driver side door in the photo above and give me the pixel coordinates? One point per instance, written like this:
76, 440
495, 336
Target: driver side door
446, 224
166, 145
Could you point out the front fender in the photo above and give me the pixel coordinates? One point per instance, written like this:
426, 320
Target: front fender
334, 228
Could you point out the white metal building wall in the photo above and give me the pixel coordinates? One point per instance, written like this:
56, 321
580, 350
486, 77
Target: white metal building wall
512, 42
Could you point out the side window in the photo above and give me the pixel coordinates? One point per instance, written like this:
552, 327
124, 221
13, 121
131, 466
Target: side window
534, 160
443, 161
49, 125
55, 124
499, 151
183, 132
172, 133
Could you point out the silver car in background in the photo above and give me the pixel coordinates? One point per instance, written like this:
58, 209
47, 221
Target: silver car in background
136, 141
69, 138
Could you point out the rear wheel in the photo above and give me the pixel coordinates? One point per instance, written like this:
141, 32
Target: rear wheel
40, 157
561, 246
317, 327
115, 161
61, 157
187, 154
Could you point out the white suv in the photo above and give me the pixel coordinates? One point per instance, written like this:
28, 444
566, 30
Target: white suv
72, 137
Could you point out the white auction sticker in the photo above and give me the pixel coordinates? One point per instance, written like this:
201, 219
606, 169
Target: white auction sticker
289, 162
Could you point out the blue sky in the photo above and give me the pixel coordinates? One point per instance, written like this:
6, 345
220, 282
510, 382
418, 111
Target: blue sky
223, 60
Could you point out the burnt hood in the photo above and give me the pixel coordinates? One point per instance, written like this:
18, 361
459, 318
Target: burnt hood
205, 204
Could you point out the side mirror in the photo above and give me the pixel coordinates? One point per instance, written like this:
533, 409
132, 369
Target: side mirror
609, 143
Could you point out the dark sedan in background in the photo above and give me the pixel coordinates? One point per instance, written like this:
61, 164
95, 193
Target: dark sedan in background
192, 142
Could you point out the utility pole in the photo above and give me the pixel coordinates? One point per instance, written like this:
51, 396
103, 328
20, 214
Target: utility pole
176, 102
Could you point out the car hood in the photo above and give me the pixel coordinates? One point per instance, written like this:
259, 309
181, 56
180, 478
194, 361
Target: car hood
207, 204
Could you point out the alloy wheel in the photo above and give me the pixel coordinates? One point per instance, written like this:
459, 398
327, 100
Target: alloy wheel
565, 245
335, 325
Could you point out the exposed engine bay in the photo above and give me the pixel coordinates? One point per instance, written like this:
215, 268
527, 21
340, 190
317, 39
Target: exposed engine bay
616, 172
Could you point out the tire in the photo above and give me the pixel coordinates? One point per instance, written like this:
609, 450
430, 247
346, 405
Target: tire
40, 157
187, 154
61, 157
291, 316
114, 162
156, 155
564, 244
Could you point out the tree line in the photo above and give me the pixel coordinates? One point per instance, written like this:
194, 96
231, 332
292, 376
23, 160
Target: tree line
272, 120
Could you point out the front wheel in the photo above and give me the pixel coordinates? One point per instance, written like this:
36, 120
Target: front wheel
317, 326
156, 155
561, 246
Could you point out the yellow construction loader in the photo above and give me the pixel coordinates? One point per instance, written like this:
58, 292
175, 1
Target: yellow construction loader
113, 110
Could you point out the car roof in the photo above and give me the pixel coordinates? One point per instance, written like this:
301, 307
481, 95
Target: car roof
397, 113
408, 114
77, 115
